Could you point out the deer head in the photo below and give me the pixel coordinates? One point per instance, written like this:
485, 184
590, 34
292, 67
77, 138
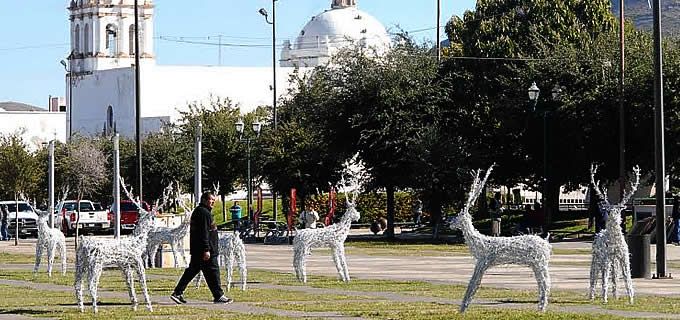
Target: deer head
456, 222
614, 209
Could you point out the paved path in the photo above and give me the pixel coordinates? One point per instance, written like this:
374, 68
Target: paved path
569, 272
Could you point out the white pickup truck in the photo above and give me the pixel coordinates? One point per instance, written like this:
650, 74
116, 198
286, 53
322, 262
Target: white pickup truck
92, 218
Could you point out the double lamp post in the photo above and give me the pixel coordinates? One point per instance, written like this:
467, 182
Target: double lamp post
257, 126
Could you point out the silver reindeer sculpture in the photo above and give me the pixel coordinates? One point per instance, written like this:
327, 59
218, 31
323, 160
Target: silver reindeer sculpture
526, 250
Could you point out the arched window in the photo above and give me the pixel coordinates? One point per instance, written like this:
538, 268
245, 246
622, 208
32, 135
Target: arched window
109, 119
111, 40
76, 39
86, 43
132, 40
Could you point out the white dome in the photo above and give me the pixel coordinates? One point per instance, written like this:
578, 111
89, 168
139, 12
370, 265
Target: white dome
339, 27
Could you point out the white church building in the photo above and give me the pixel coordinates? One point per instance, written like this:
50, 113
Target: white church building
101, 95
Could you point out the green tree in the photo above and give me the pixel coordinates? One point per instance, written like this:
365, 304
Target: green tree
19, 171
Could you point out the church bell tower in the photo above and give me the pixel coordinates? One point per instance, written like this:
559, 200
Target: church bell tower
102, 34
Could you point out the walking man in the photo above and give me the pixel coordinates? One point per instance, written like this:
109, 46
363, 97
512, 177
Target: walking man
204, 249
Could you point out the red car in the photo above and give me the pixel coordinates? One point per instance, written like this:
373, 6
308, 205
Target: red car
128, 215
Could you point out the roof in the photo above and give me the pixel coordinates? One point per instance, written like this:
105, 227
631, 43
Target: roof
18, 106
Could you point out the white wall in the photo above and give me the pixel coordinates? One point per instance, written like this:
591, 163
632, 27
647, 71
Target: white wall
165, 90
38, 126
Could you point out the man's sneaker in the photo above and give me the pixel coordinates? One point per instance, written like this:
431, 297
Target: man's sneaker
224, 300
178, 298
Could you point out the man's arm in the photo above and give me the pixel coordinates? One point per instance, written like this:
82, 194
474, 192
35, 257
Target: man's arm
204, 225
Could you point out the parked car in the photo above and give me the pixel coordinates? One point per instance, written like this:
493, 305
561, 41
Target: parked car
27, 218
91, 219
129, 213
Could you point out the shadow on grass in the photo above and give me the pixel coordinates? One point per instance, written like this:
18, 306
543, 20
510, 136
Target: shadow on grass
27, 312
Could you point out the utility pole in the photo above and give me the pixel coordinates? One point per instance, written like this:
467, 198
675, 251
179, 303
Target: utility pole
659, 161
439, 44
138, 109
622, 123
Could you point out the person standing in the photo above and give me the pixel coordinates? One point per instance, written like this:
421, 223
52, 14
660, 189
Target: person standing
495, 212
309, 217
236, 216
204, 249
676, 220
417, 211
4, 233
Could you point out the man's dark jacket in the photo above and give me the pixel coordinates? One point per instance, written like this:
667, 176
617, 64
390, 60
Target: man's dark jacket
203, 233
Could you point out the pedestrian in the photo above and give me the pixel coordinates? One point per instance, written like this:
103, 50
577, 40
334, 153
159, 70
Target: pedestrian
309, 217
676, 220
204, 249
4, 213
417, 211
495, 212
236, 216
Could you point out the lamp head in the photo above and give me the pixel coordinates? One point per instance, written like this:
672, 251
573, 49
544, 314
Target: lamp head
534, 92
239, 126
257, 126
556, 92
263, 12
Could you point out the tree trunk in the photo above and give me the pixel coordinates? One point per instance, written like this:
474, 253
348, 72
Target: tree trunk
436, 213
552, 205
78, 220
389, 232
224, 208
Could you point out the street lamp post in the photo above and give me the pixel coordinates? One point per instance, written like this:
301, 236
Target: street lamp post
69, 72
534, 93
257, 126
264, 13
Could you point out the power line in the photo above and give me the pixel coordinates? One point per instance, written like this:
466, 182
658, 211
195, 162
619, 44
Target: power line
36, 46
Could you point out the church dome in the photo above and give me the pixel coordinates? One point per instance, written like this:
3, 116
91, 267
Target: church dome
341, 26
332, 30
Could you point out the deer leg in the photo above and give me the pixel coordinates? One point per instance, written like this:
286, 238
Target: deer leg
180, 245
130, 282
139, 266
151, 251
50, 257
338, 264
229, 265
594, 270
243, 268
625, 268
94, 275
78, 283
614, 278
480, 269
38, 256
199, 279
606, 274
543, 280
343, 262
174, 254
62, 255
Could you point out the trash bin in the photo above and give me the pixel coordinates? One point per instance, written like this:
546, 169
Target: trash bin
638, 245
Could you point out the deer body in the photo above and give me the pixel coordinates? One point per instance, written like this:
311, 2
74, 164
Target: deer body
125, 253
49, 239
611, 258
332, 237
232, 250
525, 250
173, 236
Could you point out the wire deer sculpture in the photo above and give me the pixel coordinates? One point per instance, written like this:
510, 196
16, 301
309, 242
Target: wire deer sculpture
125, 253
50, 239
611, 258
526, 250
174, 236
232, 250
332, 237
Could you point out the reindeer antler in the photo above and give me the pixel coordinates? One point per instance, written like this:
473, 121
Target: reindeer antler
216, 188
633, 186
477, 186
64, 192
596, 184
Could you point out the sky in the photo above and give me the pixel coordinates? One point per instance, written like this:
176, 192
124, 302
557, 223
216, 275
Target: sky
35, 35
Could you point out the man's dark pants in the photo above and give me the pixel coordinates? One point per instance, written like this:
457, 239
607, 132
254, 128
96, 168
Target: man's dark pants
211, 272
